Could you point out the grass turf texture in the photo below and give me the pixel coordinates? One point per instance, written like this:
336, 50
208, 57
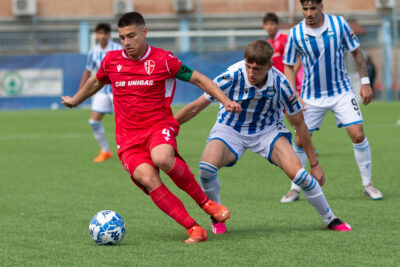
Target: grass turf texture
50, 189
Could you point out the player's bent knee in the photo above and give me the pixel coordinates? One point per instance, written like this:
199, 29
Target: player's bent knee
357, 138
164, 161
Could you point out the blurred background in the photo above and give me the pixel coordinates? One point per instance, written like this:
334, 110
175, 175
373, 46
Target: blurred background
44, 43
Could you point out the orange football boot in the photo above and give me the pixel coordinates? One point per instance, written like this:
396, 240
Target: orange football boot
103, 156
197, 234
217, 211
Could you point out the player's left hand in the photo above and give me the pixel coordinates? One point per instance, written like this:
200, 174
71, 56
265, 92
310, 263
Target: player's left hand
366, 94
68, 101
232, 106
318, 173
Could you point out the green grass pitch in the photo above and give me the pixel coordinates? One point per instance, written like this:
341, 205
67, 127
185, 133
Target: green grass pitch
50, 189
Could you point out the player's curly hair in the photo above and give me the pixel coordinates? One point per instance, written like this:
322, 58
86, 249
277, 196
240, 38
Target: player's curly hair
260, 52
131, 18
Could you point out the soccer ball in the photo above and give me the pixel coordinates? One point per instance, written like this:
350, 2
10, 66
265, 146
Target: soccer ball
107, 228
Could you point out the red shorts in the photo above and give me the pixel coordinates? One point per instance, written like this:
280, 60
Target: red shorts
139, 154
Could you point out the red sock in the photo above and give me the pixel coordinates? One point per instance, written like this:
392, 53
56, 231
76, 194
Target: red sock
184, 179
172, 206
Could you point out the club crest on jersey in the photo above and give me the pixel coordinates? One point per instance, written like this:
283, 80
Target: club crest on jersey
119, 67
149, 66
331, 33
269, 93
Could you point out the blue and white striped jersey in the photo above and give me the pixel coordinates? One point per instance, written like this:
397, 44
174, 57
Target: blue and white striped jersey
261, 107
96, 55
322, 56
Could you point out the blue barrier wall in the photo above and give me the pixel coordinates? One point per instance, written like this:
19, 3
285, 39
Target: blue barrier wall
73, 65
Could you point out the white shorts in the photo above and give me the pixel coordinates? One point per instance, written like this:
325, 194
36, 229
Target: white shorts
261, 143
102, 103
344, 107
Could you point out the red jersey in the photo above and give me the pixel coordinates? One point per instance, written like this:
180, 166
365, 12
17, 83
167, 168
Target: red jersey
142, 92
278, 43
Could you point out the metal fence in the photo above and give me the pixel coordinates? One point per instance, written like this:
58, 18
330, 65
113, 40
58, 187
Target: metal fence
193, 41
12, 43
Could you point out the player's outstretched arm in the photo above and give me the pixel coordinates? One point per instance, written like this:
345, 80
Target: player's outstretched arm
365, 91
297, 120
91, 87
85, 77
210, 88
192, 109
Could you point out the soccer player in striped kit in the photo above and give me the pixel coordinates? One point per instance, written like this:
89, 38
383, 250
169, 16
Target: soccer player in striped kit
144, 79
321, 39
102, 102
263, 92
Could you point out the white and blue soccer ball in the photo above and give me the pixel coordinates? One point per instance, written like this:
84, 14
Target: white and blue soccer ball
107, 228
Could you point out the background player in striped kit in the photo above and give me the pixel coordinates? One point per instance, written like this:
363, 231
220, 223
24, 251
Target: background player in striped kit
263, 92
320, 39
102, 102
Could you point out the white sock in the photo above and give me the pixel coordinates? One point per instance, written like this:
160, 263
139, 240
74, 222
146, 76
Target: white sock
209, 181
99, 134
314, 195
362, 153
303, 160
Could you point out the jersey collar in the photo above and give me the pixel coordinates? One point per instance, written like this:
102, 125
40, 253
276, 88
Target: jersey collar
146, 54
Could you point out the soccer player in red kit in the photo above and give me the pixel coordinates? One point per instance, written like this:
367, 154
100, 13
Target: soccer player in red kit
276, 38
278, 41
143, 81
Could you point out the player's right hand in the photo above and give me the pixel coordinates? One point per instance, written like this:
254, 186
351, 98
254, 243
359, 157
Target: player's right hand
68, 101
232, 106
318, 173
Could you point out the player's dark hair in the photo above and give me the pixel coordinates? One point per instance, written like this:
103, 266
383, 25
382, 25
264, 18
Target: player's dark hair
103, 27
314, 1
260, 52
131, 18
271, 17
